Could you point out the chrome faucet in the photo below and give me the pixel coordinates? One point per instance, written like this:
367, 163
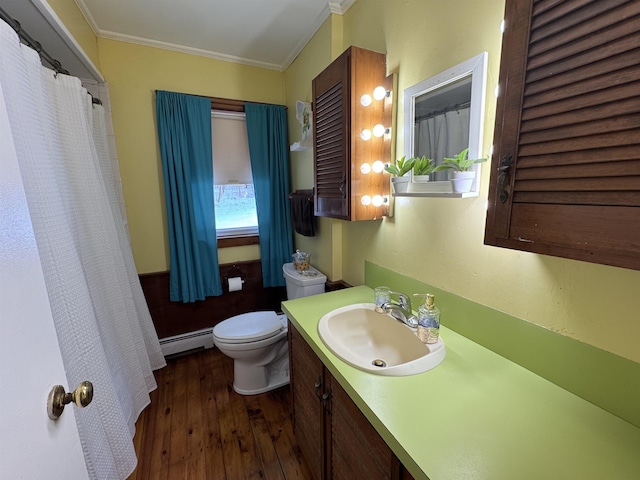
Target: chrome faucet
401, 310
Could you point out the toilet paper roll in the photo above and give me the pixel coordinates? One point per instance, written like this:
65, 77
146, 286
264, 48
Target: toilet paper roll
235, 284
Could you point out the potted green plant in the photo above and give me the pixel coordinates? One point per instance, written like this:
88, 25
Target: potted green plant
399, 170
422, 168
461, 174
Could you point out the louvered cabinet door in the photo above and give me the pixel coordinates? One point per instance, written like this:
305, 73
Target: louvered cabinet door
332, 122
566, 169
308, 412
339, 151
335, 437
357, 450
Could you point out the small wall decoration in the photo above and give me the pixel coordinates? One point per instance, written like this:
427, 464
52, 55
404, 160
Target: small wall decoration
303, 114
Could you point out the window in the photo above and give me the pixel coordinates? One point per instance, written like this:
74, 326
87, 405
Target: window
235, 205
566, 169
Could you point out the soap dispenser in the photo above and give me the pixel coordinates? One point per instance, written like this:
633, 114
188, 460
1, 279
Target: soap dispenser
428, 320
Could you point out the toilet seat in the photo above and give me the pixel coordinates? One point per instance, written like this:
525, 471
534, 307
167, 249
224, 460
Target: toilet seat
248, 327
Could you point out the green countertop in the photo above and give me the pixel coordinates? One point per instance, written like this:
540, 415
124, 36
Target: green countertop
477, 415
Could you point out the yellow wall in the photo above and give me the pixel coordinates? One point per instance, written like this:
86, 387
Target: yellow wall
317, 54
134, 72
437, 241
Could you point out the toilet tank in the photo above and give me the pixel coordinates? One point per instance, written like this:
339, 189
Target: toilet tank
311, 282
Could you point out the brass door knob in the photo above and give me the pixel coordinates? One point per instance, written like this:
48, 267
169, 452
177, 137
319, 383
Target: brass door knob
81, 396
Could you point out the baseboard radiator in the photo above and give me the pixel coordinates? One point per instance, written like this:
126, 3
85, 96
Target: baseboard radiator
187, 342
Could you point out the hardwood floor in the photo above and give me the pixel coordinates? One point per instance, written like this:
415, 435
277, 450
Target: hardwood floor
198, 428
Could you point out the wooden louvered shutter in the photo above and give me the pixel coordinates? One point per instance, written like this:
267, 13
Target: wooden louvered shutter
331, 120
565, 177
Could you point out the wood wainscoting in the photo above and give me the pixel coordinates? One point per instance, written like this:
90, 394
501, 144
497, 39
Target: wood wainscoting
177, 318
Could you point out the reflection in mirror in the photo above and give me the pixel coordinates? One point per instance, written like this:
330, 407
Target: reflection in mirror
444, 115
442, 122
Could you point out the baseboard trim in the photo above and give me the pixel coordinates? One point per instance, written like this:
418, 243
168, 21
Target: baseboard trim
187, 342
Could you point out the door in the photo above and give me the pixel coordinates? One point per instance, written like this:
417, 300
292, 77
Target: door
307, 372
31, 445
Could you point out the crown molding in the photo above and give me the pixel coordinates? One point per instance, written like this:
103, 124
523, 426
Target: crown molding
317, 23
87, 16
338, 7
341, 6
188, 50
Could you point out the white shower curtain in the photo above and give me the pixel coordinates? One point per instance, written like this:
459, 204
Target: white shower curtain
441, 136
103, 325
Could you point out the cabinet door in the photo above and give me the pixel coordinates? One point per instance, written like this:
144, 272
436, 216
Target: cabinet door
357, 450
332, 122
565, 178
308, 412
340, 154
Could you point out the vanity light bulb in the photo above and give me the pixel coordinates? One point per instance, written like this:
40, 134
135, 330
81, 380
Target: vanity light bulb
377, 200
379, 93
365, 134
378, 166
502, 26
365, 200
496, 91
365, 100
365, 168
379, 130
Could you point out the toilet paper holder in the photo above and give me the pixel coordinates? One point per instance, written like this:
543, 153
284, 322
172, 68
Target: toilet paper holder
234, 272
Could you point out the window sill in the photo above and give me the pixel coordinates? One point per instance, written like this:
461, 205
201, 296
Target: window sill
436, 194
238, 241
441, 189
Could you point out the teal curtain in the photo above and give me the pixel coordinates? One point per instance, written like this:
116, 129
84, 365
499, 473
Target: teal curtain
269, 152
184, 133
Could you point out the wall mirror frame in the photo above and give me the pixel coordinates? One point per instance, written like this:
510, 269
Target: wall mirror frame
469, 79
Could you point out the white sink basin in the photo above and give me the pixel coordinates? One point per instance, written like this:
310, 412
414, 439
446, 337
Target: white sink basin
377, 342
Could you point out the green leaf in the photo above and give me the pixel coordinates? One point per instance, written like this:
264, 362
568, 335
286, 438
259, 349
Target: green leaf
423, 166
459, 162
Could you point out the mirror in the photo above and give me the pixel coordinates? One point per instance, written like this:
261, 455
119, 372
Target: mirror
443, 115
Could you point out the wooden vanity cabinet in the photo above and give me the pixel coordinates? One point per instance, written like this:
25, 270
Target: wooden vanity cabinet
336, 439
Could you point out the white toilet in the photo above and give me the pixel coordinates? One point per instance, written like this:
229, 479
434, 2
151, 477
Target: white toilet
257, 341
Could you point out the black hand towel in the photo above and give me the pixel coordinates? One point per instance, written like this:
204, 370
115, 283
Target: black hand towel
302, 214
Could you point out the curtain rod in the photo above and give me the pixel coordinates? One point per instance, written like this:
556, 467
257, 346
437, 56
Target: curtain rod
34, 44
28, 39
459, 106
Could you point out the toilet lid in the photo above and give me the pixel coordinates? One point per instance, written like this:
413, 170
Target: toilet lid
248, 327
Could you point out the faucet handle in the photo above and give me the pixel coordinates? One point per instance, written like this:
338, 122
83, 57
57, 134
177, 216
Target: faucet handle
403, 300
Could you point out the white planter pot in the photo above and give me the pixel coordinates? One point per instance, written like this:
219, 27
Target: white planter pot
420, 178
461, 181
419, 184
400, 184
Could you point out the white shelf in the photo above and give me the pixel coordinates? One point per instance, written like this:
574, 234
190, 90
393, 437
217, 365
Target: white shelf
440, 189
296, 147
437, 194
